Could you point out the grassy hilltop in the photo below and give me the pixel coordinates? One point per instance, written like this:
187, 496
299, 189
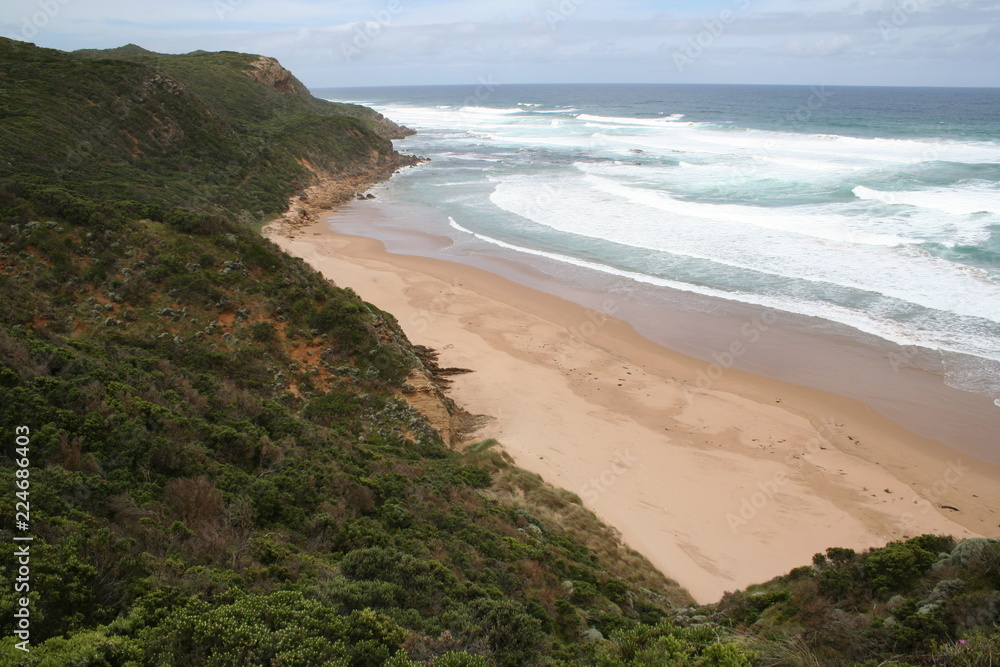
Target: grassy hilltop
223, 466
191, 136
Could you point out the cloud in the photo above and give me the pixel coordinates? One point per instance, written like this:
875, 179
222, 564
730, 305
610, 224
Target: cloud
449, 41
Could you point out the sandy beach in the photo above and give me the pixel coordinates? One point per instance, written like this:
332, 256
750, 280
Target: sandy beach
722, 478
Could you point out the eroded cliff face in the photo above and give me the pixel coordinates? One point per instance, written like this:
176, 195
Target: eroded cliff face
269, 72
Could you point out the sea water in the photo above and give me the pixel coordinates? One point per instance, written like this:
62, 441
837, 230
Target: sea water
874, 210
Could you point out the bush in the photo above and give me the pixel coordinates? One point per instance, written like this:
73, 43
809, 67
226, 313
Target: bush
897, 566
344, 320
263, 332
840, 555
277, 628
452, 659
426, 580
476, 477
333, 407
514, 637
836, 583
977, 648
665, 644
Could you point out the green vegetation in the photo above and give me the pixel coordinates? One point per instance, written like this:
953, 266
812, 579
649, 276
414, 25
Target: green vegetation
922, 601
187, 139
197, 443
211, 77
223, 469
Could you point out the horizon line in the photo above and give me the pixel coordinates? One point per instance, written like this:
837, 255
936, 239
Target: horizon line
660, 83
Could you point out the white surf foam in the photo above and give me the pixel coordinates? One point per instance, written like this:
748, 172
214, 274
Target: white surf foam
857, 319
797, 220
959, 200
624, 121
489, 111
574, 206
871, 244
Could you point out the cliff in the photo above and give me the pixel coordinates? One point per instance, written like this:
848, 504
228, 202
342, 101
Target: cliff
184, 136
222, 466
215, 460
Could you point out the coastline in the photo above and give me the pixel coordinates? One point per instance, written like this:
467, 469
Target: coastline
719, 485
912, 386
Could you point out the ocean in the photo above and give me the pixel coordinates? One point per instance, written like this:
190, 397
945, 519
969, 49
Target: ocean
858, 212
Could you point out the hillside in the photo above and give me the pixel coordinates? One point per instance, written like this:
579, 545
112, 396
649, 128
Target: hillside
205, 135
218, 433
212, 77
222, 464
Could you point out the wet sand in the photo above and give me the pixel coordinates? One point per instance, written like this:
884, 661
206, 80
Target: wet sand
721, 477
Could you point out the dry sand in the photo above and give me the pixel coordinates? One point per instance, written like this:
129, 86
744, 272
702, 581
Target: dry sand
720, 477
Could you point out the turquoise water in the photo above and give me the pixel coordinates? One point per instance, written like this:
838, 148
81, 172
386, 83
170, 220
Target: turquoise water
873, 209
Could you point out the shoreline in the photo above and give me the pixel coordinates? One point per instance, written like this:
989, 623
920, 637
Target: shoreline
910, 385
720, 484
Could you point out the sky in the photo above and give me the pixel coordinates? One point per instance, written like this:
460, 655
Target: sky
351, 43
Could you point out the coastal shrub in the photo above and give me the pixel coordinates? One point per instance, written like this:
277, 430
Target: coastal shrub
282, 627
332, 408
426, 578
514, 637
897, 566
388, 363
840, 555
198, 498
981, 555
837, 583
263, 332
395, 516
475, 476
94, 648
935, 544
453, 659
664, 644
343, 320
259, 256
980, 647
359, 533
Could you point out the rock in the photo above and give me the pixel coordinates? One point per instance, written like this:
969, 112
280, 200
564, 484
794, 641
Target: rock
369, 196
592, 635
269, 72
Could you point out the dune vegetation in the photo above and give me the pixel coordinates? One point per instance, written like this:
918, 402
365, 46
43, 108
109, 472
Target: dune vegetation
223, 466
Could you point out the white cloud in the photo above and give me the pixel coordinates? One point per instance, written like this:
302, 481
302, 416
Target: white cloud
414, 41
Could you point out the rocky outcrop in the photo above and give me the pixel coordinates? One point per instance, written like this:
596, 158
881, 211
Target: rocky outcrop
425, 391
333, 189
269, 72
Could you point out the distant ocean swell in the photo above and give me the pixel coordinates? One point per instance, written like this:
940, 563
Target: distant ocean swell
892, 229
